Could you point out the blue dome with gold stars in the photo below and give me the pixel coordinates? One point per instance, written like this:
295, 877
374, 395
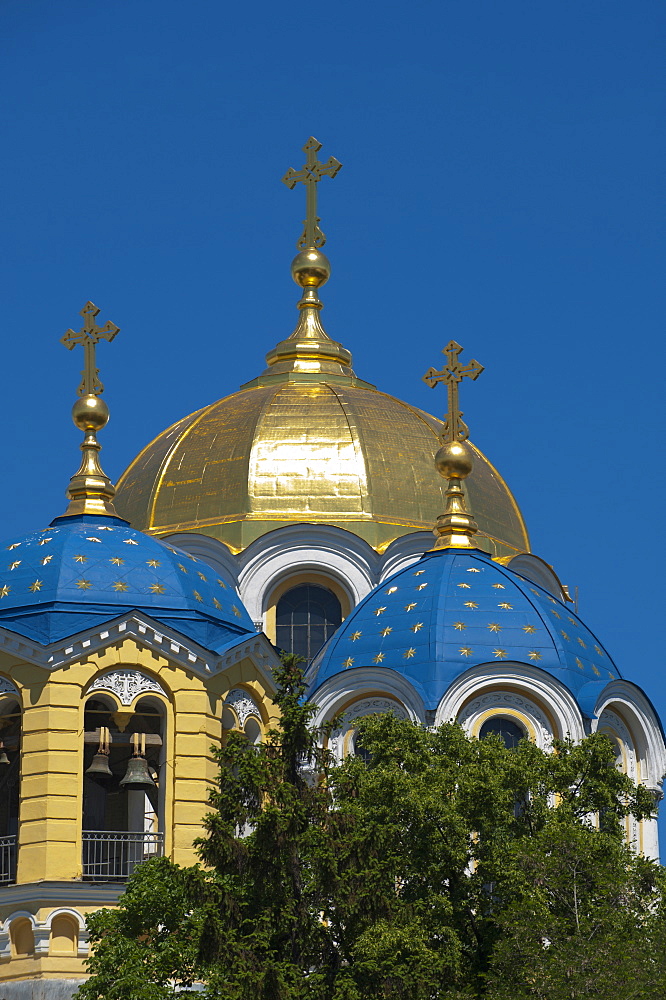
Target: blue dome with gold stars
84, 570
454, 610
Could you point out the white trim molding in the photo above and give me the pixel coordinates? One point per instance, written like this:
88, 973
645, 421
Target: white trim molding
545, 692
299, 548
350, 686
339, 741
494, 704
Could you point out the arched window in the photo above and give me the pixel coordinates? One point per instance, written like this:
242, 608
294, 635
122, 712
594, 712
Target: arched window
510, 732
306, 616
361, 751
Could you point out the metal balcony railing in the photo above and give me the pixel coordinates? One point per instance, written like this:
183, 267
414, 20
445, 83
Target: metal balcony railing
7, 859
112, 857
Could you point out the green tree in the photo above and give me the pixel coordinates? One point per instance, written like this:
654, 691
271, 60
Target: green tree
440, 867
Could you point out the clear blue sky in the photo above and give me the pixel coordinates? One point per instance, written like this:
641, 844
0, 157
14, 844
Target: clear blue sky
501, 185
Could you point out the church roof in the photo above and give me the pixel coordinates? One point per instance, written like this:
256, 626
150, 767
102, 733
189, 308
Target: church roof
84, 570
307, 441
454, 610
328, 451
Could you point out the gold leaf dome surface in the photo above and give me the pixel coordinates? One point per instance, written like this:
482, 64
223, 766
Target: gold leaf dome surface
328, 450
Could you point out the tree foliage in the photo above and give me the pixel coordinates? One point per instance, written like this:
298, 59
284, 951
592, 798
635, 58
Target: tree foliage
441, 867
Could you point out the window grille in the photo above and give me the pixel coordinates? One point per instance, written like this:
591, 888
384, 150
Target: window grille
306, 616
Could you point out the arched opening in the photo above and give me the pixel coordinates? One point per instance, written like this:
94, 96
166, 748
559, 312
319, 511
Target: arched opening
509, 731
123, 792
306, 616
64, 935
10, 781
22, 938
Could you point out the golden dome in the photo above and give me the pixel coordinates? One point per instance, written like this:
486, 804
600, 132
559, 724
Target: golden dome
324, 452
308, 441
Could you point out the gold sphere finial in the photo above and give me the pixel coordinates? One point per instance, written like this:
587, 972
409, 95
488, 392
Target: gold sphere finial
90, 413
310, 268
454, 460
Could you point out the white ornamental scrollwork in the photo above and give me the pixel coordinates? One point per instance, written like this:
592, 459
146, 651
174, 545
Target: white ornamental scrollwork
498, 700
243, 705
6, 687
368, 706
127, 685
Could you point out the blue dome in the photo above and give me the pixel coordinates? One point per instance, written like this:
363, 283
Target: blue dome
454, 610
82, 571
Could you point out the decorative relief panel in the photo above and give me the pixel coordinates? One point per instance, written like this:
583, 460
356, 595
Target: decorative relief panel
368, 706
243, 705
126, 685
498, 700
6, 687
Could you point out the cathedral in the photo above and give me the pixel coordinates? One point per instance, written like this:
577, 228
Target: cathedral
310, 512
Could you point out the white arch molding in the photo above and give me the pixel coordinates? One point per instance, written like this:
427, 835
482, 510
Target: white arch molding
338, 740
349, 687
498, 704
548, 697
627, 711
301, 548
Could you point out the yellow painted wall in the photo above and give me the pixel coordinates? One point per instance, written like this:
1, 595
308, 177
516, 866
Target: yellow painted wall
49, 838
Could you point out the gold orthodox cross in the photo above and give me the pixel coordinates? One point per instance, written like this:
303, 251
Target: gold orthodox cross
455, 429
88, 336
310, 175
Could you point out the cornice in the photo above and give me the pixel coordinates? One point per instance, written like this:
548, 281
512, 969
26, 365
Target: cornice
147, 633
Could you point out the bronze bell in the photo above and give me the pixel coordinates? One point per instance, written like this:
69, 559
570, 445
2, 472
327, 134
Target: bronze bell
4, 759
137, 777
99, 769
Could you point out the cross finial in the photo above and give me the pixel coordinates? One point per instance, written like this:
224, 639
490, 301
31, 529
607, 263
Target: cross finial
455, 429
310, 175
88, 336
